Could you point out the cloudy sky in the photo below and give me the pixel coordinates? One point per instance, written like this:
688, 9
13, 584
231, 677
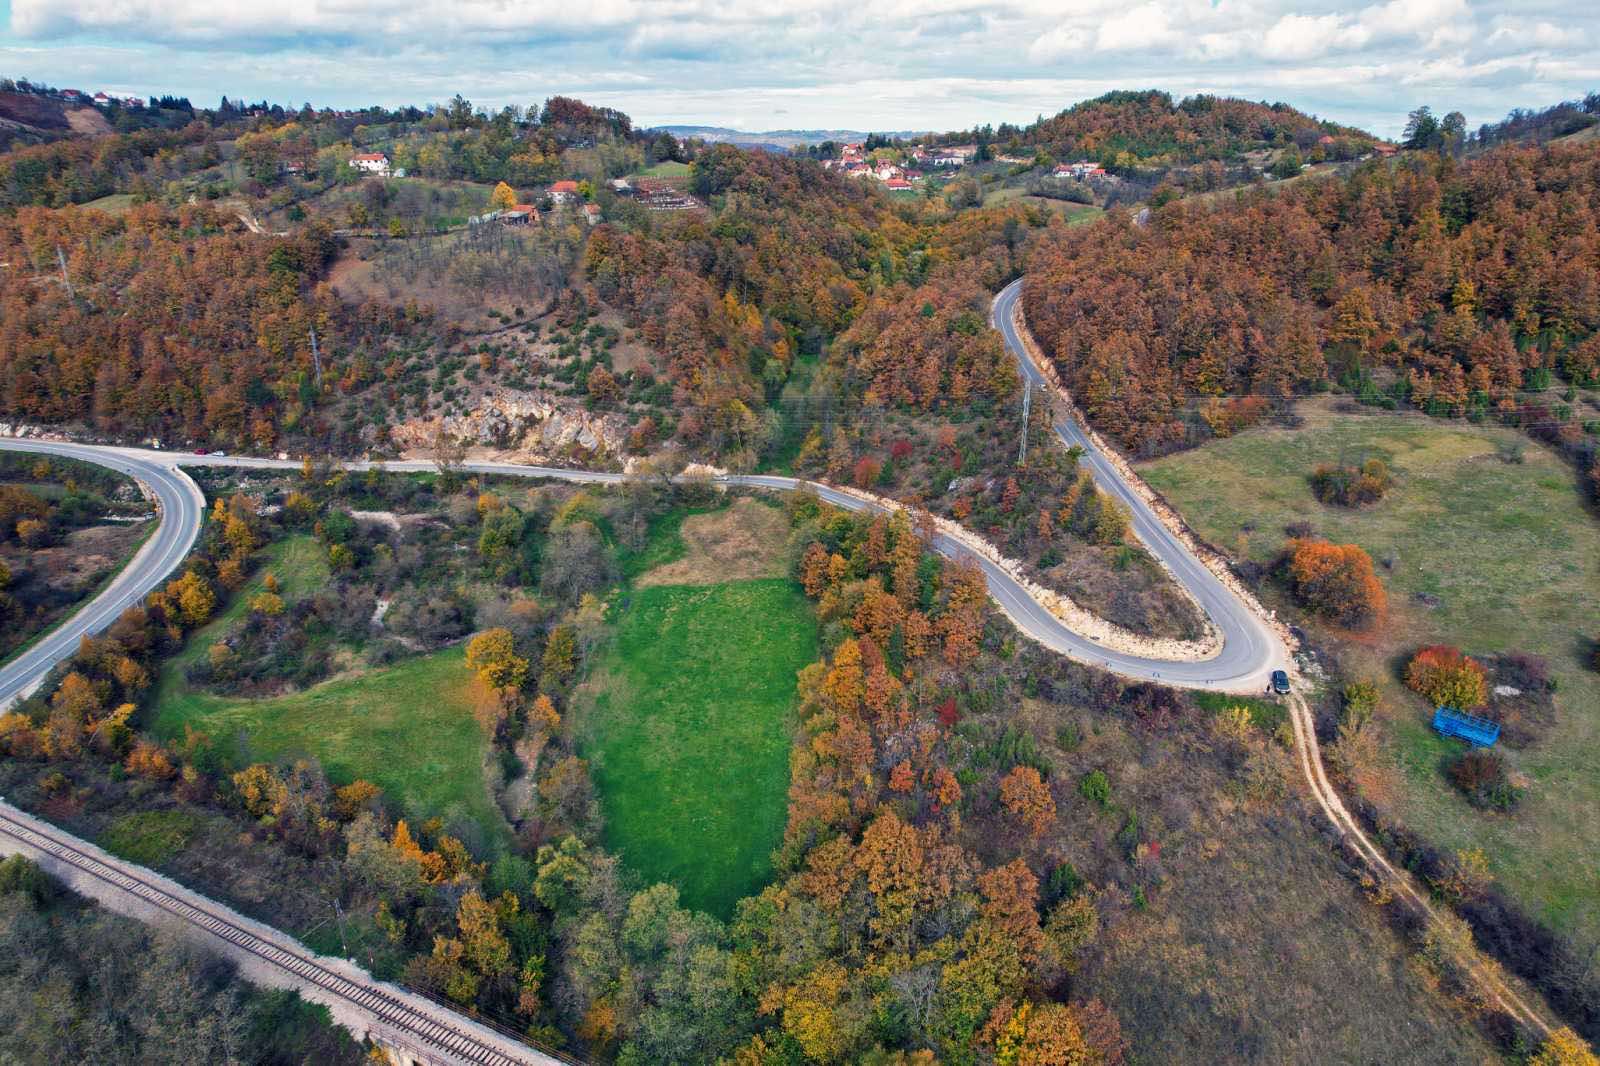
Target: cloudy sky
888, 64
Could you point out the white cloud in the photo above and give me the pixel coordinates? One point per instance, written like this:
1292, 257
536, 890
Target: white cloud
890, 64
1305, 36
1528, 33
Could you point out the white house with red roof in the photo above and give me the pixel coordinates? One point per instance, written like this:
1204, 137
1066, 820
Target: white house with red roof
371, 163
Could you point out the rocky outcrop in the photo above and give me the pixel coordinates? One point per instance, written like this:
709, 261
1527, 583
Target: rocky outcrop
526, 423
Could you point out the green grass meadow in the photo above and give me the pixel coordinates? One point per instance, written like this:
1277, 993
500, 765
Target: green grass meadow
687, 729
408, 728
667, 168
1475, 550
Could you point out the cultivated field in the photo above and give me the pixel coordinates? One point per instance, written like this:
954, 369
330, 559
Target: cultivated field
1483, 543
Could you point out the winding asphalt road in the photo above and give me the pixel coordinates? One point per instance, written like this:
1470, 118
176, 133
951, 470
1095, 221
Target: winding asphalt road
181, 506
1250, 650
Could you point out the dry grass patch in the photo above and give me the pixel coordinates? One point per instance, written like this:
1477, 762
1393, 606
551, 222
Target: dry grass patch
742, 542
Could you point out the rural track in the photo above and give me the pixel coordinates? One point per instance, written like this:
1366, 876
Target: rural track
1251, 647
1229, 610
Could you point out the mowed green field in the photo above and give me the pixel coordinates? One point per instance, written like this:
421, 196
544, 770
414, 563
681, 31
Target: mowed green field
667, 168
408, 728
1474, 550
687, 730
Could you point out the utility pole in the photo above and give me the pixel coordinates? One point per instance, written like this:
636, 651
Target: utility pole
316, 358
1027, 408
61, 260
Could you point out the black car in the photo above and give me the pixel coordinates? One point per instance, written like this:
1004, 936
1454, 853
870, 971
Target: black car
1280, 682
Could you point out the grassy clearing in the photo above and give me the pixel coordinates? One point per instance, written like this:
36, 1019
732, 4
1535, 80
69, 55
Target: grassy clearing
667, 168
301, 566
664, 544
407, 728
687, 728
1476, 551
1076, 214
118, 203
149, 838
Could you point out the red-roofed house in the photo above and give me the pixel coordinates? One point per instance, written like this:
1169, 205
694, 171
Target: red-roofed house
591, 214
897, 185
371, 163
564, 191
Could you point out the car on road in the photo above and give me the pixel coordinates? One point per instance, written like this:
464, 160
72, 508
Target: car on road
1280, 682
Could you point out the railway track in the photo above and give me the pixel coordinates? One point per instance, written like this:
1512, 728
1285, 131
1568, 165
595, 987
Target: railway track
433, 1035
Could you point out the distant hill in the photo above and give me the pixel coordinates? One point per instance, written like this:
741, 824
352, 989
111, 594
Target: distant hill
26, 118
774, 140
1149, 127
1573, 121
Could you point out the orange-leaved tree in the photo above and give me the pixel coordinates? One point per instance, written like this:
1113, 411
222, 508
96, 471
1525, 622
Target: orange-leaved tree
1447, 677
1337, 581
1028, 798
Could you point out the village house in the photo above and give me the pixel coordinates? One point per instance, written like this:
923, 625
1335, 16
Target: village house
591, 214
1080, 171
102, 100
563, 192
898, 185
371, 163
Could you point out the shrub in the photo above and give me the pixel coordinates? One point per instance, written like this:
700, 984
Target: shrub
22, 876
1564, 1048
1447, 678
866, 472
1336, 581
1095, 787
1349, 486
1481, 776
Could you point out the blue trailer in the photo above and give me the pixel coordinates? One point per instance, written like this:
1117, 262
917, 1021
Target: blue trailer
1469, 727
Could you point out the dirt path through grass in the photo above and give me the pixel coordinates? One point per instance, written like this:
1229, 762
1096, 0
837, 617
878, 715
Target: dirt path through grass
1475, 550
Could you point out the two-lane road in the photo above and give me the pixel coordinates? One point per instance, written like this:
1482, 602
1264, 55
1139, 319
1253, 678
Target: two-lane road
1250, 650
181, 505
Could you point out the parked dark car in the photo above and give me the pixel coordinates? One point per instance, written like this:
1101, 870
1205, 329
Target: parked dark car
1280, 682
